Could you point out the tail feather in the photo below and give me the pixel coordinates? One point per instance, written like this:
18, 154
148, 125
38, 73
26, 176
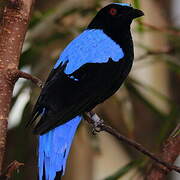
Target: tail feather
54, 148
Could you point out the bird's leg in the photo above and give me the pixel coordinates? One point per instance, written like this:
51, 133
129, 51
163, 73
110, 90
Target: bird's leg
94, 120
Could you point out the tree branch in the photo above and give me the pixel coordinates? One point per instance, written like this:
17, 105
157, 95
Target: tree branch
15, 165
99, 126
34, 79
13, 27
169, 152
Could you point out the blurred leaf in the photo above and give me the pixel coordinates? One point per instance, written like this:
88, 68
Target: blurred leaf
54, 37
133, 90
118, 1
30, 56
125, 104
97, 3
139, 26
39, 16
121, 172
82, 11
169, 120
153, 91
173, 66
168, 124
70, 11
137, 4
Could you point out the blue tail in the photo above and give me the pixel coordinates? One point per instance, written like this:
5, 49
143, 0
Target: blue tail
54, 148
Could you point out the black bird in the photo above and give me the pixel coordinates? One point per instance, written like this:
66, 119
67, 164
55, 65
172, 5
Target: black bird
89, 70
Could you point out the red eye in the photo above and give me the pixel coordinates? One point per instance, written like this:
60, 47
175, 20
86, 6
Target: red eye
113, 11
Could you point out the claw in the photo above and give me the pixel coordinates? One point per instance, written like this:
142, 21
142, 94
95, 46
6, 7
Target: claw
96, 122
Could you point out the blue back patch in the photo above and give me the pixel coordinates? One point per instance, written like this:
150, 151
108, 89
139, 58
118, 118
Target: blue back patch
91, 46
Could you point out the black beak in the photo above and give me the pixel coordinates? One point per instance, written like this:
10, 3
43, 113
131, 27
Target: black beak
137, 13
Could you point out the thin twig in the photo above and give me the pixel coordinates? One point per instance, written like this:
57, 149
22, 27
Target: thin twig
15, 165
103, 127
34, 79
139, 147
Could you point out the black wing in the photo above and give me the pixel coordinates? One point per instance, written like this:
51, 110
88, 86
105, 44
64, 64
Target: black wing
66, 96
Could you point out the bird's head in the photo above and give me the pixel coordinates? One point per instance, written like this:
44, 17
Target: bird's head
115, 15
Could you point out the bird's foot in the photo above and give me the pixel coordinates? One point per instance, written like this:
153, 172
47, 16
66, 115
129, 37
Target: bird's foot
96, 122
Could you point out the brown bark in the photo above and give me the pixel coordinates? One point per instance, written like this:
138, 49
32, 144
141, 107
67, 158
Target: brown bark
14, 166
13, 28
170, 151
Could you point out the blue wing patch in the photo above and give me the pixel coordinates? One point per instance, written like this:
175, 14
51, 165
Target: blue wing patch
91, 46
